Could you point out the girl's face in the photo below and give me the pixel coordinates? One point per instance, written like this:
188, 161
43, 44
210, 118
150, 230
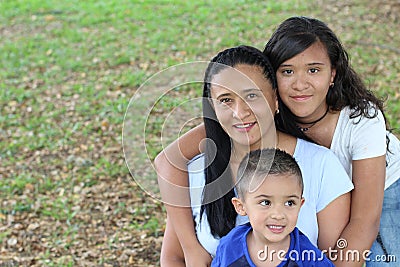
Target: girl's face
304, 80
244, 102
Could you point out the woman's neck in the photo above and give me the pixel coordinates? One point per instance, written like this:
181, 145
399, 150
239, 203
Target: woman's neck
286, 142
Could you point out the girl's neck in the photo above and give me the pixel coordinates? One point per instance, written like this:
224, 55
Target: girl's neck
322, 133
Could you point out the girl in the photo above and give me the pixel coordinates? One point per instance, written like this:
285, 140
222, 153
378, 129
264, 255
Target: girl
324, 100
239, 99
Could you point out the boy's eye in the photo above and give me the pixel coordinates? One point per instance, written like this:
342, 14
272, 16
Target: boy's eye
265, 203
290, 203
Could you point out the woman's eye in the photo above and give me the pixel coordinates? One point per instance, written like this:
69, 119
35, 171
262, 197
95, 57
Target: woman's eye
265, 203
224, 100
251, 96
314, 70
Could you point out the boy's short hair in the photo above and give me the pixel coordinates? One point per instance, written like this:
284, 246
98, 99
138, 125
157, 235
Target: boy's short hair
257, 164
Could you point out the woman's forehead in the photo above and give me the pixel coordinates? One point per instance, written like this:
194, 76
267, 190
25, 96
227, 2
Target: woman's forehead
239, 79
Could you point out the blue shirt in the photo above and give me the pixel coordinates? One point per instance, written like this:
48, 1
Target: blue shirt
232, 251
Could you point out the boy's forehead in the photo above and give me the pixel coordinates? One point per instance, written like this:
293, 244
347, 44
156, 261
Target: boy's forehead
270, 182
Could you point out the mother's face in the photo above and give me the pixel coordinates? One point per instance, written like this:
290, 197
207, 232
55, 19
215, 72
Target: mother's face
244, 103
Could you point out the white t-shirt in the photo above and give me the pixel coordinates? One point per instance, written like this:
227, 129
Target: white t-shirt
324, 180
362, 138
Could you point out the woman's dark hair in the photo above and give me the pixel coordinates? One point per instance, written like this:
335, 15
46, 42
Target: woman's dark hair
220, 211
295, 35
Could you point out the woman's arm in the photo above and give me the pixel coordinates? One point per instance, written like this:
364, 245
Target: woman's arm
366, 208
173, 181
332, 220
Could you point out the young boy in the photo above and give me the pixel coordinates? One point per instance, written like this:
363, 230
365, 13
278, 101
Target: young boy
269, 189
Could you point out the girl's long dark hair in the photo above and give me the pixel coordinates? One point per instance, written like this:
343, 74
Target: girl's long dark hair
220, 212
295, 35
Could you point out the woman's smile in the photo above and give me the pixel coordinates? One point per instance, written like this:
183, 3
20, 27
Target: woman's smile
244, 127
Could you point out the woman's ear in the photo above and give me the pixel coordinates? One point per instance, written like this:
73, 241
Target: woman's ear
239, 207
276, 104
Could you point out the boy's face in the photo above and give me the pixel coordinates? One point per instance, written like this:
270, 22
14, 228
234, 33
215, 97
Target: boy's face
272, 208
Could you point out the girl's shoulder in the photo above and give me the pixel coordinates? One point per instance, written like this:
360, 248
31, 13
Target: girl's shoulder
354, 113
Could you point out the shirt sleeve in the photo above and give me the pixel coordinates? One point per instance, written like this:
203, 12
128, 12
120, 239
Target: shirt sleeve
369, 137
334, 181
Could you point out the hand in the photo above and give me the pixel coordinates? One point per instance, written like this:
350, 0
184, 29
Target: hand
197, 257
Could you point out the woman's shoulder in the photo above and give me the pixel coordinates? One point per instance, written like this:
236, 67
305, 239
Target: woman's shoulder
313, 155
196, 163
306, 147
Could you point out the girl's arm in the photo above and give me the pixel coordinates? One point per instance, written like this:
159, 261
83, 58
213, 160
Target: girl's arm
366, 207
332, 220
171, 250
173, 181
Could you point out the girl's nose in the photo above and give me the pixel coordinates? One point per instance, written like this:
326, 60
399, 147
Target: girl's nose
300, 82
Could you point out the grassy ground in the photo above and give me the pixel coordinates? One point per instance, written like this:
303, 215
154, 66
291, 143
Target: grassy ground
67, 72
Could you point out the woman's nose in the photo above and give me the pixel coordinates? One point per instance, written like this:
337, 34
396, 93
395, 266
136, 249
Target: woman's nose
241, 110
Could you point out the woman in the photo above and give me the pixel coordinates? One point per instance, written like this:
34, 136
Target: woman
239, 82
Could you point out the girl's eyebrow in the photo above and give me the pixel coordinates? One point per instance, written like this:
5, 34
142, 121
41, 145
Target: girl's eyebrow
308, 64
315, 63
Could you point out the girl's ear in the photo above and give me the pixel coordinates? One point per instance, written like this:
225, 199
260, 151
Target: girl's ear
239, 207
333, 74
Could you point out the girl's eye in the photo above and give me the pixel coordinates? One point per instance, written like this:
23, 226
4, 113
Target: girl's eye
290, 203
314, 70
287, 72
265, 203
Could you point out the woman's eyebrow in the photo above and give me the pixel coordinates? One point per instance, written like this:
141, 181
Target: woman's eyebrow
247, 90
223, 95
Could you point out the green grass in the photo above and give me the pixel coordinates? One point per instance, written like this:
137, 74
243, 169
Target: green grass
67, 72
